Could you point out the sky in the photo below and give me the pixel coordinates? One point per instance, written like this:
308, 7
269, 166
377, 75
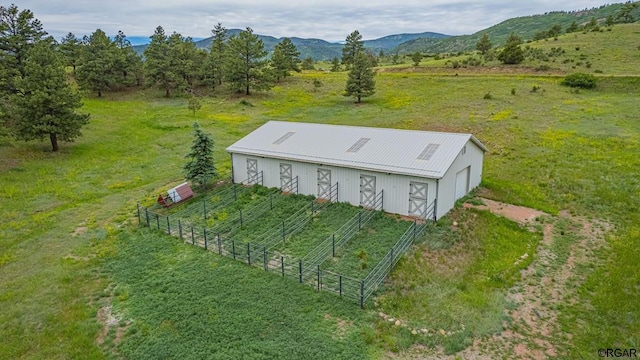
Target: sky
330, 20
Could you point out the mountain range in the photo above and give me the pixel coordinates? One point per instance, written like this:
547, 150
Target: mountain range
430, 42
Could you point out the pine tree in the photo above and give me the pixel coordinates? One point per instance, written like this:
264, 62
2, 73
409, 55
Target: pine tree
416, 57
353, 45
360, 82
512, 53
128, 62
71, 48
99, 61
161, 66
246, 68
46, 105
213, 68
200, 169
484, 44
285, 58
335, 64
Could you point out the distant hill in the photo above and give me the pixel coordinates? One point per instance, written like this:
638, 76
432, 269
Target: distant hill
525, 27
320, 49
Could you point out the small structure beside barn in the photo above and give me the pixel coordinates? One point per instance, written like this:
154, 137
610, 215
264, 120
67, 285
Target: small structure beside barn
176, 195
417, 173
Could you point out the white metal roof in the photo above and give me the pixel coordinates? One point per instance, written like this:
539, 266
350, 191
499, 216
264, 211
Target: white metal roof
377, 149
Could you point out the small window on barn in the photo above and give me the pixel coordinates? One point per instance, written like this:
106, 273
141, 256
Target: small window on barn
358, 145
428, 152
283, 138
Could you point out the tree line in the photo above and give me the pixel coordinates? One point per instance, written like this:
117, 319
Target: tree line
37, 100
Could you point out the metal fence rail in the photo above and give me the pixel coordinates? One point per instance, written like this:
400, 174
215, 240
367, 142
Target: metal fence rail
308, 269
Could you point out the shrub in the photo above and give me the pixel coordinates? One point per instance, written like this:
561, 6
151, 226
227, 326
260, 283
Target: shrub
513, 91
488, 96
580, 80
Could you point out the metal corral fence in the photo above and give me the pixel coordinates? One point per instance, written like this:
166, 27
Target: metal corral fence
306, 270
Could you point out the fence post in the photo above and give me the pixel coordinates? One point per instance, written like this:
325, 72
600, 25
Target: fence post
219, 244
282, 264
233, 248
414, 230
168, 226
158, 221
333, 245
337, 193
382, 199
180, 229
248, 254
270, 201
340, 282
264, 257
311, 207
204, 211
240, 217
235, 192
204, 231
146, 213
362, 294
138, 206
319, 279
193, 237
435, 207
300, 272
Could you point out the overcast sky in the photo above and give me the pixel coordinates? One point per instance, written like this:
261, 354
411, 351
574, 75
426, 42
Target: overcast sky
330, 20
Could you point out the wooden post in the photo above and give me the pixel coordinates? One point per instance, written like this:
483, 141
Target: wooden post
248, 254
282, 264
158, 221
180, 229
206, 247
146, 213
340, 282
168, 226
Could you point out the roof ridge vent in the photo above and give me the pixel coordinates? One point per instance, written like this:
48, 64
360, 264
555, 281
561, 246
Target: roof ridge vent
358, 145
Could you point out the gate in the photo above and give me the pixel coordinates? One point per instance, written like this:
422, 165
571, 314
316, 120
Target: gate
367, 190
324, 184
418, 199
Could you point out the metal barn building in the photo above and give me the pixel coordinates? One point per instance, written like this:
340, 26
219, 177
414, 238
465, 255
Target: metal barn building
417, 173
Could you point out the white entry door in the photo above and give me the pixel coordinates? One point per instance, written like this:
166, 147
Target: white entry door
367, 190
324, 184
462, 183
418, 199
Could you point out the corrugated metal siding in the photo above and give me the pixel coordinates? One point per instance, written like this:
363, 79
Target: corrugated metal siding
388, 151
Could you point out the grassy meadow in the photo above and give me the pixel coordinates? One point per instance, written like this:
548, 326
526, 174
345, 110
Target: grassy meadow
70, 250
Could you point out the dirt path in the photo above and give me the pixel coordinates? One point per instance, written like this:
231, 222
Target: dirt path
549, 283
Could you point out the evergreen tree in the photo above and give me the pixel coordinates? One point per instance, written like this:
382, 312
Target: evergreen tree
71, 48
335, 64
161, 66
572, 28
213, 68
200, 169
188, 58
512, 52
360, 82
19, 30
285, 58
128, 62
625, 14
484, 44
246, 68
46, 105
353, 45
416, 57
308, 63
99, 60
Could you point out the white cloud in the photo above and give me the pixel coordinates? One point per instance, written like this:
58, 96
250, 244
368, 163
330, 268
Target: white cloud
328, 19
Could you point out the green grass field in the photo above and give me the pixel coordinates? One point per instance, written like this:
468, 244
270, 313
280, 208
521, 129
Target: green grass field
68, 248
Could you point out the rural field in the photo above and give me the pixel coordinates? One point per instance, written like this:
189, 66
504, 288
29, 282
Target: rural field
80, 279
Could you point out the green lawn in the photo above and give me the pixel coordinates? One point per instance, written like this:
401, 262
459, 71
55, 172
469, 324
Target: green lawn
67, 248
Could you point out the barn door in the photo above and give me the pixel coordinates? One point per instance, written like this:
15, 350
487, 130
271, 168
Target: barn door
285, 177
418, 199
367, 190
324, 183
462, 183
252, 171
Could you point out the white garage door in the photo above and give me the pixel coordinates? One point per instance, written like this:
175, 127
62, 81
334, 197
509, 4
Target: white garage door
462, 183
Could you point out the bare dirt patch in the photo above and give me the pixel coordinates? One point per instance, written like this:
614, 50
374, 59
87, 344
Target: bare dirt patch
549, 283
113, 326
